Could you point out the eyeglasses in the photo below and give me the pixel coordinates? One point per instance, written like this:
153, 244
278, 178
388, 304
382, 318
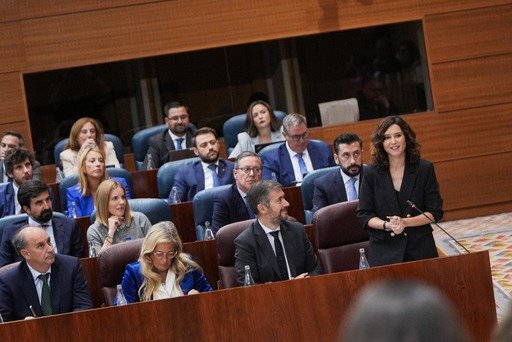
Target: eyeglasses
206, 143
247, 170
298, 137
355, 155
161, 255
178, 117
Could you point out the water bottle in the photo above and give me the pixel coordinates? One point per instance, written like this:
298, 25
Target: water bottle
273, 177
58, 175
73, 210
175, 197
208, 232
120, 298
363, 263
248, 281
149, 165
92, 251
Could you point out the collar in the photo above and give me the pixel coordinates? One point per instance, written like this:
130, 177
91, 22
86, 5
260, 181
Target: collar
35, 273
268, 230
205, 165
292, 153
35, 223
346, 178
174, 136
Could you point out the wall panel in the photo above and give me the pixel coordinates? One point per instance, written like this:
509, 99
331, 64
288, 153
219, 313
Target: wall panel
11, 47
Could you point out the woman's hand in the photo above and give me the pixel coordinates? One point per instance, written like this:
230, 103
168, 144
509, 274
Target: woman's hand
396, 224
114, 222
192, 292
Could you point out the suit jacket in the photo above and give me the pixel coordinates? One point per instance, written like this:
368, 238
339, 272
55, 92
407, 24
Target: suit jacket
330, 189
7, 206
132, 281
69, 159
253, 248
67, 238
68, 289
189, 179
160, 144
378, 198
229, 207
278, 161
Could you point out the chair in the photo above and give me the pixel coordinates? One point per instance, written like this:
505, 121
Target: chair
8, 267
112, 262
307, 188
166, 173
203, 207
156, 209
268, 149
8, 220
140, 143
225, 241
235, 125
339, 112
338, 236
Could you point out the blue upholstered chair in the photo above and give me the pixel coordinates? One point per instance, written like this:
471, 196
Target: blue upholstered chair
235, 125
307, 188
269, 148
156, 209
202, 204
166, 173
7, 220
140, 143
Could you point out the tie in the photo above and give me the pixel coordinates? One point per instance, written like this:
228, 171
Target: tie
302, 164
281, 261
249, 210
215, 176
46, 303
351, 189
1, 171
178, 143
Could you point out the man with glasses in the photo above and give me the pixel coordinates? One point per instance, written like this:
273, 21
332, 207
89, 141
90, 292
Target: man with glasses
343, 184
291, 161
231, 205
177, 137
208, 172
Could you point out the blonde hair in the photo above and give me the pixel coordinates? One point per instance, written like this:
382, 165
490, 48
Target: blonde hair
162, 232
101, 201
75, 131
85, 189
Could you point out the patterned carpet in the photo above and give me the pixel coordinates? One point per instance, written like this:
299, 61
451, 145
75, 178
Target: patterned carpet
492, 233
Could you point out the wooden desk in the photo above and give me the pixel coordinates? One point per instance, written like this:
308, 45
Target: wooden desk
182, 215
293, 195
144, 184
83, 224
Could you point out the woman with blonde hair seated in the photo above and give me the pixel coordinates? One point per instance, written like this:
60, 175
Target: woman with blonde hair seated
91, 172
86, 132
115, 222
163, 269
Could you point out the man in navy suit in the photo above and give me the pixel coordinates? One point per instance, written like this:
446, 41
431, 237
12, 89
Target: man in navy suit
34, 198
10, 141
274, 248
177, 137
291, 161
208, 172
44, 283
343, 184
231, 205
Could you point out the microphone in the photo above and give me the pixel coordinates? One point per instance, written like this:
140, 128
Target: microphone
412, 205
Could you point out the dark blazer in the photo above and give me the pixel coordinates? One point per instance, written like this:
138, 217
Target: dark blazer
7, 199
160, 144
253, 248
189, 179
330, 189
67, 238
278, 161
229, 207
68, 286
378, 198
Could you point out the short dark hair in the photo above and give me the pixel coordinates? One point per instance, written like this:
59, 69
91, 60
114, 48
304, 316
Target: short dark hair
259, 193
201, 131
14, 134
246, 154
17, 156
30, 189
346, 138
173, 104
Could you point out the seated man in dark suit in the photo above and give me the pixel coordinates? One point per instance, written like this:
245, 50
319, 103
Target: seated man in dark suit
12, 141
209, 172
274, 248
343, 184
34, 198
177, 137
291, 161
44, 283
231, 205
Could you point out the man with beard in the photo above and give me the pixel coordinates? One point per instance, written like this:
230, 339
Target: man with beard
43, 283
274, 248
34, 198
11, 141
231, 205
206, 173
177, 137
341, 185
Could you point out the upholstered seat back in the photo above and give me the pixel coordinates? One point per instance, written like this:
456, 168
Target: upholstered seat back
140, 143
202, 204
167, 172
307, 189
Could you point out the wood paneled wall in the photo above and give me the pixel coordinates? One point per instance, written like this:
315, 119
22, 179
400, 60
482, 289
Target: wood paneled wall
469, 54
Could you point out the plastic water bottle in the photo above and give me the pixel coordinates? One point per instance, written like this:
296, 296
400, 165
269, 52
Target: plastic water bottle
248, 281
208, 232
120, 298
92, 251
363, 263
73, 210
273, 177
175, 196
149, 165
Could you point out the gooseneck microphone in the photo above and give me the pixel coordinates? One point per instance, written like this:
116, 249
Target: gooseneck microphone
412, 205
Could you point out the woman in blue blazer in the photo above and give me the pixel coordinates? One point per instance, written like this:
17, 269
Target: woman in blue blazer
163, 269
399, 231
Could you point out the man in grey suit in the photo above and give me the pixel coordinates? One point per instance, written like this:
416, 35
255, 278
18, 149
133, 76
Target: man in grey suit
274, 248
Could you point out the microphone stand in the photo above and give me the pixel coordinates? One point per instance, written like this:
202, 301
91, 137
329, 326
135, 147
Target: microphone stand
412, 205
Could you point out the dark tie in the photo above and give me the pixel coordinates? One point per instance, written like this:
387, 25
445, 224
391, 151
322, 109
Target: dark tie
352, 193
249, 210
1, 171
281, 260
46, 303
178, 143
215, 176
302, 164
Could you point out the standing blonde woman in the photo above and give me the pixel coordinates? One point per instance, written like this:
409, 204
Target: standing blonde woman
163, 269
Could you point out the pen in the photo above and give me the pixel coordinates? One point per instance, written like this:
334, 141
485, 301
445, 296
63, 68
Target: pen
32, 309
